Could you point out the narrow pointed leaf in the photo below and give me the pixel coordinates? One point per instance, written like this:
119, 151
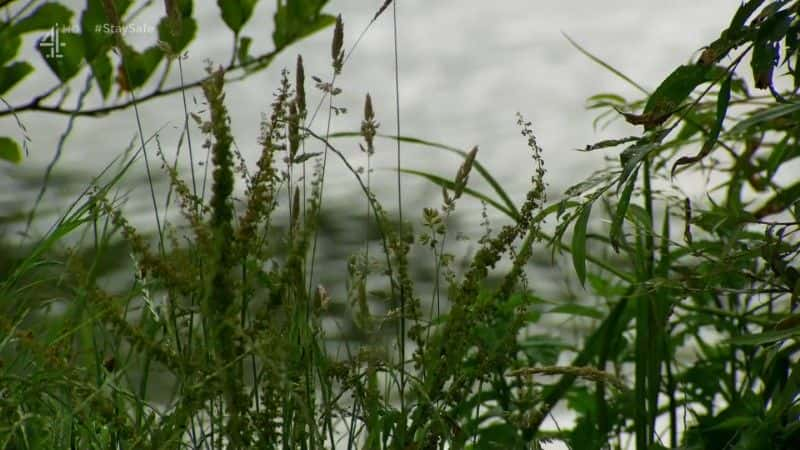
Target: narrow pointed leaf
440, 181
723, 99
579, 243
622, 208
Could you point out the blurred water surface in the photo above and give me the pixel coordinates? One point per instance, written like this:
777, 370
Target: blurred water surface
466, 68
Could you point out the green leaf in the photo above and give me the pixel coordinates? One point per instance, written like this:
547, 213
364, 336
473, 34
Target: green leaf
765, 115
763, 61
672, 92
740, 17
103, 71
608, 143
723, 99
296, 19
732, 36
778, 155
622, 208
140, 66
45, 17
774, 28
235, 13
9, 44
639, 217
9, 150
766, 337
579, 243
575, 309
93, 21
177, 39
636, 153
63, 53
13, 74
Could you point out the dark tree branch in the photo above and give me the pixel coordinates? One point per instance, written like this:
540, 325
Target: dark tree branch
249, 68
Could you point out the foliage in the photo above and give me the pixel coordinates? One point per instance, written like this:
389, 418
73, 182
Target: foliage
219, 339
97, 41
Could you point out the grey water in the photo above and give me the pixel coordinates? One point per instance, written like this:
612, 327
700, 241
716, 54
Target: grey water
465, 69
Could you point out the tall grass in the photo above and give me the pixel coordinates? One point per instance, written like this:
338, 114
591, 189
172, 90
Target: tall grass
219, 335
217, 339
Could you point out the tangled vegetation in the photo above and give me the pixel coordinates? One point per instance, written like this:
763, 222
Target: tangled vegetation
220, 334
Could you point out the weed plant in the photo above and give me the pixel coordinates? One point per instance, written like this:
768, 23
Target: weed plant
218, 338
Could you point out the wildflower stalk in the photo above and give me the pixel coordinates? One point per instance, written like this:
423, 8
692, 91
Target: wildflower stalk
219, 304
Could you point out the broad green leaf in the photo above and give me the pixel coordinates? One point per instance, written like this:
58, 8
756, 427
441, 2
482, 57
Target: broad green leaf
13, 74
48, 16
138, 67
622, 209
177, 29
103, 73
296, 19
672, 92
63, 53
723, 99
579, 243
177, 39
9, 44
97, 38
10, 150
235, 13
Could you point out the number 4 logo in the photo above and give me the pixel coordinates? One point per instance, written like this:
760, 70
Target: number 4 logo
52, 39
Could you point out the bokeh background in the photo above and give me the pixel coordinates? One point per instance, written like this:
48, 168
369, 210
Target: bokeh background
466, 68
